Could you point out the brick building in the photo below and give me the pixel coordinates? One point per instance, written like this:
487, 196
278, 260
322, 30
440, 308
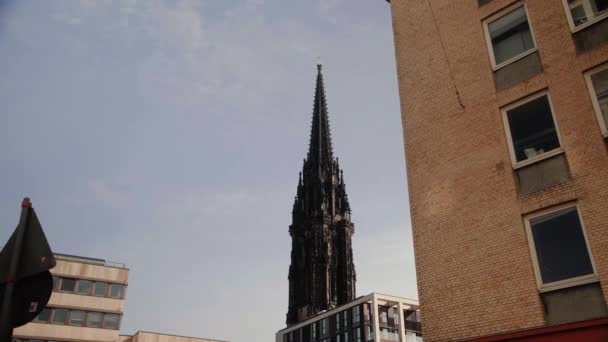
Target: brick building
504, 106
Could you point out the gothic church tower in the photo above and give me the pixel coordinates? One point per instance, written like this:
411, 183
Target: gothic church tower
322, 272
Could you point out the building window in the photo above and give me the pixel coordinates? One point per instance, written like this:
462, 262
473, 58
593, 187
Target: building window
531, 130
111, 321
559, 248
358, 335
100, 289
77, 317
597, 80
44, 315
356, 313
94, 319
324, 327
67, 285
84, 287
370, 333
345, 318
313, 331
338, 323
383, 317
116, 290
509, 36
582, 13
346, 337
60, 316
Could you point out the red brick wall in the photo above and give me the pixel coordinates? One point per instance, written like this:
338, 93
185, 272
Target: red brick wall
474, 268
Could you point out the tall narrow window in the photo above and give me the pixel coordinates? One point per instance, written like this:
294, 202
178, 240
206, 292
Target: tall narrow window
345, 318
338, 324
560, 248
370, 333
598, 85
532, 129
509, 36
356, 314
324, 327
585, 12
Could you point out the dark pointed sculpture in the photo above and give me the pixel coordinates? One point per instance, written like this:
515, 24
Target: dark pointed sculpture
322, 272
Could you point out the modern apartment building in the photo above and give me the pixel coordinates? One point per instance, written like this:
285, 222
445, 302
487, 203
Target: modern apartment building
375, 317
87, 304
505, 109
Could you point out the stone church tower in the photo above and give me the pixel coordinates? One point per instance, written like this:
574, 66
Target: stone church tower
322, 272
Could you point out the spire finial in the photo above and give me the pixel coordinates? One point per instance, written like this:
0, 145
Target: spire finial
319, 64
320, 150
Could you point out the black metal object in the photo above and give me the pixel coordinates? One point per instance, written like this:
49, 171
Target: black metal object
322, 271
24, 257
30, 297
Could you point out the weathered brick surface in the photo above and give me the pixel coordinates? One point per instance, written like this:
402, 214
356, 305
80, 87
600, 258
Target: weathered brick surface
475, 273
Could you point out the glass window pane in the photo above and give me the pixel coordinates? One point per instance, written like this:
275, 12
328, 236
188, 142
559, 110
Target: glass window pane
510, 35
94, 319
560, 246
60, 315
116, 290
44, 315
84, 287
101, 289
67, 284
77, 317
584, 11
111, 321
532, 129
600, 87
55, 282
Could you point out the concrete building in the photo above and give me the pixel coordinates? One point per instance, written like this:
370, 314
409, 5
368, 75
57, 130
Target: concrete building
504, 109
87, 304
375, 317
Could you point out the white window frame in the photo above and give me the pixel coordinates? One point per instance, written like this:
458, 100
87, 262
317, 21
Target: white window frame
586, 279
596, 106
505, 119
573, 27
486, 30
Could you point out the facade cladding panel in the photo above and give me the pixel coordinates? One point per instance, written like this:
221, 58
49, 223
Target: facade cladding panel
478, 270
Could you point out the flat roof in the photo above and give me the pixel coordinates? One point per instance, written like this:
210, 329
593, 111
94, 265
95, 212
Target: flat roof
178, 336
88, 260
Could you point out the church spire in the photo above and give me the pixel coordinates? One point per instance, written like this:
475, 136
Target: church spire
320, 152
322, 272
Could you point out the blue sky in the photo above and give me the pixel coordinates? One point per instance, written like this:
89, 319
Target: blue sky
168, 135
